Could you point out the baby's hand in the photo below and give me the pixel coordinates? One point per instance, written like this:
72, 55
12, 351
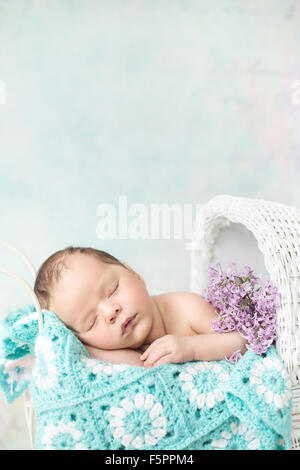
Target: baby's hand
168, 348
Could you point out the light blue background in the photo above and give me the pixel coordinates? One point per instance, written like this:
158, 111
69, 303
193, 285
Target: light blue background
162, 101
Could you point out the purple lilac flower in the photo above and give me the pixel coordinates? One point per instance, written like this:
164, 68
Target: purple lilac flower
244, 304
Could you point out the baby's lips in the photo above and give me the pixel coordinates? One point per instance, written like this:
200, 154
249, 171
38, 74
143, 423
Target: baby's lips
127, 321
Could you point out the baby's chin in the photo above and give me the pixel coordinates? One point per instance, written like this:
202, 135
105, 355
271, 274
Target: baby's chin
144, 332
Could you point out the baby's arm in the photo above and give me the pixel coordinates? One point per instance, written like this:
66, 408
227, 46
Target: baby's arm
207, 345
213, 347
203, 347
117, 356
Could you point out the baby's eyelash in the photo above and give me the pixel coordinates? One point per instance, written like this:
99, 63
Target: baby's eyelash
92, 324
115, 289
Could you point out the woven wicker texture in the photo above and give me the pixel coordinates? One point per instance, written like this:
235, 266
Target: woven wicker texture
276, 227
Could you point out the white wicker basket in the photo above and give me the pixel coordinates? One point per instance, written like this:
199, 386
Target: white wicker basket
276, 228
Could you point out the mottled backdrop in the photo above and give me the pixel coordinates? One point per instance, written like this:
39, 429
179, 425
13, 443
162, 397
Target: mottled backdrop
159, 101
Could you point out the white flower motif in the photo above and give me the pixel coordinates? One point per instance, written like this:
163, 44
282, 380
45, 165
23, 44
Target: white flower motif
53, 431
45, 371
222, 443
236, 429
249, 436
214, 388
98, 366
267, 384
154, 422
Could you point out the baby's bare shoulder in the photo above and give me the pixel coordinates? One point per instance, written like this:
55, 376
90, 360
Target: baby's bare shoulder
190, 308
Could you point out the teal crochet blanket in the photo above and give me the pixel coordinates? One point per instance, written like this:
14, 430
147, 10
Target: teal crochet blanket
83, 403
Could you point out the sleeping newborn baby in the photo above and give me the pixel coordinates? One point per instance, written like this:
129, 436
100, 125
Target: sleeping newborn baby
108, 307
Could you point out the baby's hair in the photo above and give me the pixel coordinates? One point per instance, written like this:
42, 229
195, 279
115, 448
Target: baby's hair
50, 272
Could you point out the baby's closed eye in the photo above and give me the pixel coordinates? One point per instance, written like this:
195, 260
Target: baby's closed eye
114, 289
92, 324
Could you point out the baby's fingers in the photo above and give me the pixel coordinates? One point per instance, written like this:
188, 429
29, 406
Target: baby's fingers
163, 360
154, 356
144, 355
148, 351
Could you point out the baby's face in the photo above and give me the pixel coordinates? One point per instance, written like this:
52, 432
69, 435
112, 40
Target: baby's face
94, 299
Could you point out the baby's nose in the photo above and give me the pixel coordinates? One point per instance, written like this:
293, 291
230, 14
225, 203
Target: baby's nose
113, 312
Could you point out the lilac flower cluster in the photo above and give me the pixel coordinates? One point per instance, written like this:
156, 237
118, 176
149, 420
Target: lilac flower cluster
243, 305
